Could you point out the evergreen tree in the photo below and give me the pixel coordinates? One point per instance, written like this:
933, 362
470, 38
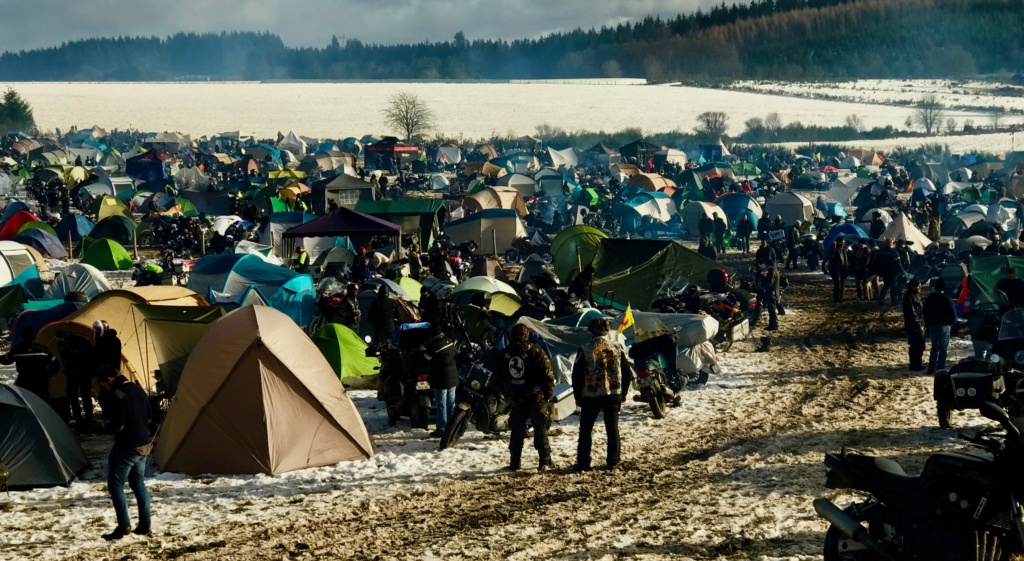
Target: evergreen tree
15, 114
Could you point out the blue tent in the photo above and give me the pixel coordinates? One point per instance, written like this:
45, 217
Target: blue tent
142, 168
36, 320
77, 225
14, 207
851, 230
736, 205
30, 282
43, 242
835, 209
227, 279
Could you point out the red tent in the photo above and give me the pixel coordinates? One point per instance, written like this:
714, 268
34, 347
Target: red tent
14, 223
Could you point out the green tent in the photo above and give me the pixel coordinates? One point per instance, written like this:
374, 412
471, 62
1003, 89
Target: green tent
690, 186
575, 246
117, 228
187, 208
588, 197
107, 255
175, 331
37, 224
345, 351
12, 297
632, 271
746, 169
987, 270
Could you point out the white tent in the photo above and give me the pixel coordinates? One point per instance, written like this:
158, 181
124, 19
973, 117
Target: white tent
671, 155
791, 206
222, 223
693, 212
439, 183
77, 278
865, 219
293, 144
448, 155
901, 228
845, 189
565, 157
526, 186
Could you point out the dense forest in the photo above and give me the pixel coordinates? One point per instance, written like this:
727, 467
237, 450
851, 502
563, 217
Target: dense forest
777, 39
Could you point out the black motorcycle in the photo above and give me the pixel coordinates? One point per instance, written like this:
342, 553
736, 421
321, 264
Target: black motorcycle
961, 506
477, 402
404, 374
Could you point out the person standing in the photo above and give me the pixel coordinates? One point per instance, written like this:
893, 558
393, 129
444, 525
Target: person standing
939, 314
384, 315
349, 313
887, 266
444, 377
744, 228
838, 268
861, 264
107, 350
524, 374
76, 354
913, 323
768, 294
765, 253
705, 249
360, 266
792, 243
35, 366
301, 261
129, 416
601, 377
720, 228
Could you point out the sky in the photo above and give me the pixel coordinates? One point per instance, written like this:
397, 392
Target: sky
31, 24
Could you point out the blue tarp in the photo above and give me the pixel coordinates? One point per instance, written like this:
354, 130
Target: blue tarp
851, 230
835, 209
227, 278
36, 320
76, 225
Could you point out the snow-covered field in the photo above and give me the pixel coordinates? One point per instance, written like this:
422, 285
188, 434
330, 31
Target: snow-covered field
474, 110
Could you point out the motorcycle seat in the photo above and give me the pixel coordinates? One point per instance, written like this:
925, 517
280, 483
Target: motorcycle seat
887, 474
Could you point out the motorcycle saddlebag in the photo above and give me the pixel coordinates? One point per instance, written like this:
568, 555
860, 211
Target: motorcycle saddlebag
971, 389
564, 402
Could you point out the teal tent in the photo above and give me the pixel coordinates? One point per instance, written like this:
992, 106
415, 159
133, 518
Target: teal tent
37, 447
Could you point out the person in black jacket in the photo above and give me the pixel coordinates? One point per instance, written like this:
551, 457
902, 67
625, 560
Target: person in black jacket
720, 229
913, 323
877, 227
792, 243
108, 346
76, 354
443, 378
838, 268
888, 267
939, 314
34, 363
129, 416
384, 315
706, 249
524, 373
744, 228
583, 285
765, 253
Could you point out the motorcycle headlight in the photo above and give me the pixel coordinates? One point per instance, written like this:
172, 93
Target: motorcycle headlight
475, 384
1019, 357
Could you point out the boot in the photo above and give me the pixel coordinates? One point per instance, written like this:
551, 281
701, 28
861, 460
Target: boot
766, 343
545, 462
516, 460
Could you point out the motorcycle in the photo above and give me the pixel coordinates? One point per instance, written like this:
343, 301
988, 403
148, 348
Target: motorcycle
961, 506
676, 295
660, 382
477, 402
404, 374
810, 249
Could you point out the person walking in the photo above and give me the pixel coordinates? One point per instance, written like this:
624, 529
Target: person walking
601, 377
129, 416
524, 374
838, 268
939, 314
744, 229
913, 324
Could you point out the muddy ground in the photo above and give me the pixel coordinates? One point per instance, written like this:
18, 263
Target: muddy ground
735, 482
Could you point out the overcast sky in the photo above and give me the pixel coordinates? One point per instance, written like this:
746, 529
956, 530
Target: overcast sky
29, 24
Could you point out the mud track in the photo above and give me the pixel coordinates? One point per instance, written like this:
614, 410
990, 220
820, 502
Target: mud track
733, 485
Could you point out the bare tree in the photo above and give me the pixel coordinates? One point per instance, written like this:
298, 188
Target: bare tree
854, 122
929, 114
997, 116
711, 125
773, 124
951, 125
408, 114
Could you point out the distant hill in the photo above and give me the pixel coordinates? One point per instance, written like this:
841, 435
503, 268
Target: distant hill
776, 39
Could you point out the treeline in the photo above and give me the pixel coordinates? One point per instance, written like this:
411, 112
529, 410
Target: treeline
777, 39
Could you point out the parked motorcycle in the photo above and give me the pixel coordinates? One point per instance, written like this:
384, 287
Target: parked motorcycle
961, 506
404, 374
664, 370
676, 295
478, 403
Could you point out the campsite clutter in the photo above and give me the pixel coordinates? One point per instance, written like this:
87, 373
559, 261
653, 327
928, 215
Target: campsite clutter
269, 278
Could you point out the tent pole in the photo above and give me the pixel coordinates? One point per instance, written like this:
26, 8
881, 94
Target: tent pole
70, 250
494, 241
202, 249
135, 243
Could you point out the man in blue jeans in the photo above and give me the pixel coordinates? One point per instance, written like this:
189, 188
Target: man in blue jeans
128, 416
939, 317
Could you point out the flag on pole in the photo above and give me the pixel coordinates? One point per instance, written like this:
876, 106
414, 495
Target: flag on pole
627, 320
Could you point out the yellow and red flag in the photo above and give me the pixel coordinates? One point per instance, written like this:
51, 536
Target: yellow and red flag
627, 320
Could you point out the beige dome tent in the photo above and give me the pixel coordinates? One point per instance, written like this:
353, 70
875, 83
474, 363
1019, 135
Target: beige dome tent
257, 396
650, 182
695, 210
495, 197
791, 207
901, 228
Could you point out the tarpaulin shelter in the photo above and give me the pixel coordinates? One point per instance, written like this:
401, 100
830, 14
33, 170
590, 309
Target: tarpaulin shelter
423, 216
43, 242
640, 151
599, 155
650, 182
574, 246
77, 278
986, 270
901, 228
281, 222
791, 206
227, 280
107, 255
117, 308
630, 272
695, 210
172, 331
257, 396
737, 205
345, 351
36, 445
495, 198
492, 229
117, 228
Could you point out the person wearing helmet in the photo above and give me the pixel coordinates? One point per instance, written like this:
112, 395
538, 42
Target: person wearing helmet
301, 261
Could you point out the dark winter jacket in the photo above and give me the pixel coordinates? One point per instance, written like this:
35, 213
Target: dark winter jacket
35, 365
130, 414
838, 262
443, 372
939, 309
765, 254
913, 312
76, 354
744, 228
887, 264
384, 316
108, 350
708, 251
524, 374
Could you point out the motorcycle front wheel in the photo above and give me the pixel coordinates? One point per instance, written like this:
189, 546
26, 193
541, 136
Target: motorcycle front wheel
658, 405
455, 428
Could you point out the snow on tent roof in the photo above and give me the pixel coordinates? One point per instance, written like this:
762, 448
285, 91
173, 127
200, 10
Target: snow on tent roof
37, 446
269, 378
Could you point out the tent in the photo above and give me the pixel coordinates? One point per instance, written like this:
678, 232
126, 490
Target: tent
425, 216
75, 226
227, 280
492, 229
15, 259
690, 185
844, 190
117, 228
901, 228
736, 205
630, 272
117, 308
37, 447
222, 223
669, 155
526, 186
344, 222
791, 206
866, 157
345, 351
79, 277
11, 209
343, 189
293, 143
448, 155
172, 332
107, 255
563, 158
573, 246
988, 269
864, 216
257, 396
35, 224
650, 182
693, 212
15, 222
847, 231
43, 242
281, 222
109, 206
495, 198
640, 150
